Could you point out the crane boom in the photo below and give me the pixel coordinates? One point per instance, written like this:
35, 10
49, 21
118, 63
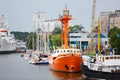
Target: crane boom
92, 26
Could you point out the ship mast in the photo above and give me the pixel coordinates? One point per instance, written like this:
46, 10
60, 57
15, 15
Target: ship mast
64, 20
99, 24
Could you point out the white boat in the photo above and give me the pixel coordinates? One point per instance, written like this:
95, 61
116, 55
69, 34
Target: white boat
7, 41
37, 59
103, 66
27, 55
39, 54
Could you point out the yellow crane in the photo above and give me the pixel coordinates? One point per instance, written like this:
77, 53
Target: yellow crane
98, 39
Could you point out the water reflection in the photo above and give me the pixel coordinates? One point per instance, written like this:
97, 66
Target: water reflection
70, 76
14, 67
67, 76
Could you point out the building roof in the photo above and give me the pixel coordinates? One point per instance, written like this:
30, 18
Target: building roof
101, 36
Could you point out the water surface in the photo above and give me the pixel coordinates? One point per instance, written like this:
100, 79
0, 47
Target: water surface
15, 67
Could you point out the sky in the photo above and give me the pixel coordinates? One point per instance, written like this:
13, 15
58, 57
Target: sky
19, 13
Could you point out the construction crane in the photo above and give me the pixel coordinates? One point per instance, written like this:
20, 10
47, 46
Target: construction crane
91, 46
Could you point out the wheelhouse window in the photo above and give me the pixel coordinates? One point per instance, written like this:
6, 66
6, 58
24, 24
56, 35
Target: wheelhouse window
68, 51
57, 51
111, 57
118, 57
115, 57
74, 50
107, 58
64, 50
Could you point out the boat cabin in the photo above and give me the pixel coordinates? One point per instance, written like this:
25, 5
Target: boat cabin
65, 51
109, 59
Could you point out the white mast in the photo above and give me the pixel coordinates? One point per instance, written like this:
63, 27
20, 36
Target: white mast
38, 29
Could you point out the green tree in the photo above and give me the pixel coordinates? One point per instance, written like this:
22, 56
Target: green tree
56, 30
75, 28
55, 40
114, 38
20, 35
30, 42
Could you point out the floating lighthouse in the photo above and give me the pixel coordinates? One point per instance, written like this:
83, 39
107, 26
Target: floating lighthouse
64, 20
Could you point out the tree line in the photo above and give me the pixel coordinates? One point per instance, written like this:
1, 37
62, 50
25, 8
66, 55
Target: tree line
55, 38
20, 35
114, 39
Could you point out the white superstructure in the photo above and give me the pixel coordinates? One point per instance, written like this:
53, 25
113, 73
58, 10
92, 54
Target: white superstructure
7, 41
104, 63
